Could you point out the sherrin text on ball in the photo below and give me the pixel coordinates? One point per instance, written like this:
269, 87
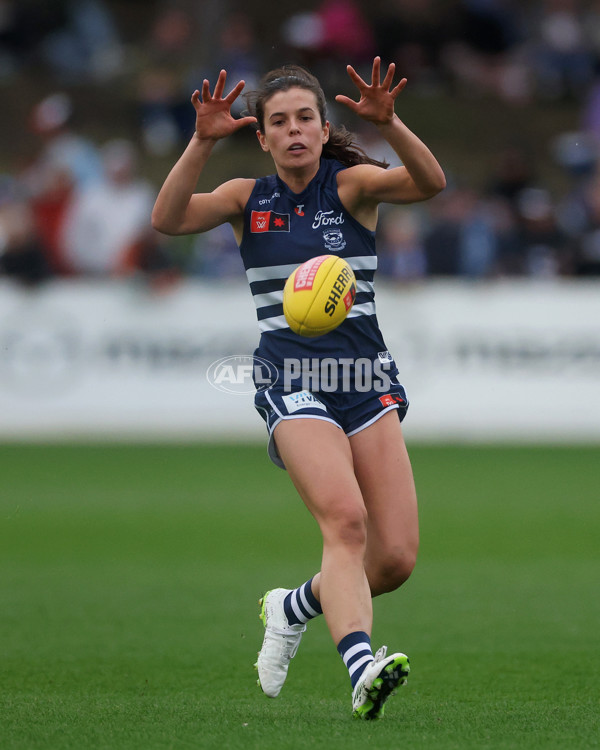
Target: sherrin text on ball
318, 295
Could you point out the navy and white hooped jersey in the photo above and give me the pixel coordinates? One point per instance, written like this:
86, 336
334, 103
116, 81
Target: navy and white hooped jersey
283, 229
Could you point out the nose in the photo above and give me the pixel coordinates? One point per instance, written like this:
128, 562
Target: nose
294, 126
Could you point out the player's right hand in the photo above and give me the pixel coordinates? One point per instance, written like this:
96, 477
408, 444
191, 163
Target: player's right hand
213, 111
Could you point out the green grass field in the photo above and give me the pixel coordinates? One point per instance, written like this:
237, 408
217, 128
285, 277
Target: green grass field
129, 580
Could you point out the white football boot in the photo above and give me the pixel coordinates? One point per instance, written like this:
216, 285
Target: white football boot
377, 683
280, 643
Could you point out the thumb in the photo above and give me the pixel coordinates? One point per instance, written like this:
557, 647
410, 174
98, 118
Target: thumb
341, 99
244, 121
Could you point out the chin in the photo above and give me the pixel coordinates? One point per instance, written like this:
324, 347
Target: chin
302, 160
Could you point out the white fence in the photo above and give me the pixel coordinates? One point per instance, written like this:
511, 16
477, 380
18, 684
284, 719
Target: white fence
502, 361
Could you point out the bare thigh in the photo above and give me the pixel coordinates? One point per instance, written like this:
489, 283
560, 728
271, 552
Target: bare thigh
318, 458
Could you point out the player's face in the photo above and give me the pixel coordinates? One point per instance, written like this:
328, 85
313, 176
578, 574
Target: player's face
294, 133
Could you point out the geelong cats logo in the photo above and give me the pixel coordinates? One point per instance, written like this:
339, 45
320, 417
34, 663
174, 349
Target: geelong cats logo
334, 240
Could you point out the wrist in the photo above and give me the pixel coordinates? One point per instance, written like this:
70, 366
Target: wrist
384, 125
203, 140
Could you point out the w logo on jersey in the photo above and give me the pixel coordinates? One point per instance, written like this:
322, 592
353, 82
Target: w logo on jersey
269, 221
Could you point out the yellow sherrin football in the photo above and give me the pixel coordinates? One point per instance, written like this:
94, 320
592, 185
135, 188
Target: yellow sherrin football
318, 295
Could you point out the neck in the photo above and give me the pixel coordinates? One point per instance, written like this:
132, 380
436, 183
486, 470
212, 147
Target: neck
298, 179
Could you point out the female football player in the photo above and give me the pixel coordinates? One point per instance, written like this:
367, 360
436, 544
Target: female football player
341, 442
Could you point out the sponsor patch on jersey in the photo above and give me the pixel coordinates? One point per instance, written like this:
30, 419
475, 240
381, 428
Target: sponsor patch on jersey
333, 240
327, 219
389, 399
302, 400
350, 297
385, 357
269, 221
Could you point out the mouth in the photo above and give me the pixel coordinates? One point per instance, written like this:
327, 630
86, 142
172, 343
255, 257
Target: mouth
297, 147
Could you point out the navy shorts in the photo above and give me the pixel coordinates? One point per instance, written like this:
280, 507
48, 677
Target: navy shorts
350, 411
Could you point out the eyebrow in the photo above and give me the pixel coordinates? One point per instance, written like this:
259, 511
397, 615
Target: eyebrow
282, 114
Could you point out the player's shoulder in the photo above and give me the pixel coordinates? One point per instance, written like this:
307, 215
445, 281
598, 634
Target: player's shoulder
354, 184
357, 173
237, 190
239, 186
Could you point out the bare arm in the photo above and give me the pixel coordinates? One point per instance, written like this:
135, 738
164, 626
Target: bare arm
178, 210
421, 176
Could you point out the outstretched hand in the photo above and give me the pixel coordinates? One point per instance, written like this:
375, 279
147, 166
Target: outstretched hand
377, 100
213, 111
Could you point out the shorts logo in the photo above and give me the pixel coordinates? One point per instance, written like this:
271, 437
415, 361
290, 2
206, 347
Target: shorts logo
269, 221
302, 400
389, 399
334, 240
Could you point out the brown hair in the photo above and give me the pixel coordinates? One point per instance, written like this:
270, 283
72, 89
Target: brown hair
341, 145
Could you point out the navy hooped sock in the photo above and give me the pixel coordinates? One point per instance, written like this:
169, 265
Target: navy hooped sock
301, 605
355, 650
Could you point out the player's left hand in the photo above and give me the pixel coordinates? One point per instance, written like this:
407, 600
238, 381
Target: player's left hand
377, 100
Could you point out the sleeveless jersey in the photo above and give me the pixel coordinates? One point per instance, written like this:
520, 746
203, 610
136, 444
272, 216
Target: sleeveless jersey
282, 229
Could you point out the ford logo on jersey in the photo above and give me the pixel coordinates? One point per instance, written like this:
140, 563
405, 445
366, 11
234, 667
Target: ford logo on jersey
327, 219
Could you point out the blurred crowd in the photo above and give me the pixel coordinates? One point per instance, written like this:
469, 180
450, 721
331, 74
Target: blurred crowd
81, 208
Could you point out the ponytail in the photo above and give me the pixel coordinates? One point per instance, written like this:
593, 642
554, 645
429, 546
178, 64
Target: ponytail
341, 146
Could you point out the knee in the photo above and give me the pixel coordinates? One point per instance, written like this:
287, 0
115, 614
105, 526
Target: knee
392, 571
345, 525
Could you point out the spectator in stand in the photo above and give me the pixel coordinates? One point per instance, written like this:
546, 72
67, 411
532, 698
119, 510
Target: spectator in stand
443, 240
110, 218
562, 53
163, 105
87, 46
238, 53
21, 255
337, 30
579, 217
24, 25
486, 55
215, 255
545, 248
61, 144
346, 33
412, 33
472, 237
54, 193
512, 171
66, 164
401, 250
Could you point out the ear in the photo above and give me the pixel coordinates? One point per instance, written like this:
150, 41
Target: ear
262, 141
325, 136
